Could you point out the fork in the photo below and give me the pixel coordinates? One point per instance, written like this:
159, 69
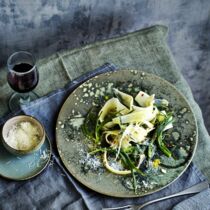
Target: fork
194, 189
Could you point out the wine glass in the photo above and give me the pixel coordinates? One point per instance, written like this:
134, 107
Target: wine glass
22, 77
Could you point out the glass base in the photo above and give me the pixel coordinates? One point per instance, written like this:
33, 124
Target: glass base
18, 99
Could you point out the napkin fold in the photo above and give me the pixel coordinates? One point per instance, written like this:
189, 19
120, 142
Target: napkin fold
57, 189
144, 49
201, 201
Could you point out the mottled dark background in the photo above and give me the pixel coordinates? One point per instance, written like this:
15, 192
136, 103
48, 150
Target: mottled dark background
46, 26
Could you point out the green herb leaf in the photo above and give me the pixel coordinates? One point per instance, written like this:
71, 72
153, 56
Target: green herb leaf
159, 134
131, 164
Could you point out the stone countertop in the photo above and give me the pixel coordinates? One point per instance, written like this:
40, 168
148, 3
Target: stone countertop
44, 27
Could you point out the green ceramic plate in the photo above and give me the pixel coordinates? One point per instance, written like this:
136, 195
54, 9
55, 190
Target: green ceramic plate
72, 146
24, 167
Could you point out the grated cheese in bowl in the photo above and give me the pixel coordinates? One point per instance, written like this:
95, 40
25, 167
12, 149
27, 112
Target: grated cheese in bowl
23, 134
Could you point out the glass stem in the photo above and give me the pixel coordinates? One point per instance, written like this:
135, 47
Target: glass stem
25, 98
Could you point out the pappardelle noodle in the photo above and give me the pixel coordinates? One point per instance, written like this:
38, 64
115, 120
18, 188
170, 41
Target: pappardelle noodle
129, 130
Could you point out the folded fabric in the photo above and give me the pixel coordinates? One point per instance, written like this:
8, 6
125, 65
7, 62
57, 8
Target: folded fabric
56, 189
200, 201
145, 49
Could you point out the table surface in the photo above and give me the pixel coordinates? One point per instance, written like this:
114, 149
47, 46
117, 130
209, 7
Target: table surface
45, 27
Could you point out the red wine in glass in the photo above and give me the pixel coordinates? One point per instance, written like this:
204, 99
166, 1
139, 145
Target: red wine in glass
23, 77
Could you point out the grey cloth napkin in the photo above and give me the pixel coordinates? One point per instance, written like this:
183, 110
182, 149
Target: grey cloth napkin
200, 201
56, 189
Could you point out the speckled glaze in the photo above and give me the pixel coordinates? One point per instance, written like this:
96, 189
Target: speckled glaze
24, 167
71, 142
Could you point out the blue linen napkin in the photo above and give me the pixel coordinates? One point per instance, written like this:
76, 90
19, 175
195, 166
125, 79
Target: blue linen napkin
56, 189
201, 201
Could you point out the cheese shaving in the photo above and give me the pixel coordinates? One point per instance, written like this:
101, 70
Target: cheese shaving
23, 136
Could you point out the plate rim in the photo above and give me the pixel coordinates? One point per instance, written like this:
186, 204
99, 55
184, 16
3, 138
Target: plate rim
139, 71
36, 174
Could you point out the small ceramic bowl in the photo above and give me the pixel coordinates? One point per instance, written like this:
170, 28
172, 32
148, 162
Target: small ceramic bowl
17, 121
